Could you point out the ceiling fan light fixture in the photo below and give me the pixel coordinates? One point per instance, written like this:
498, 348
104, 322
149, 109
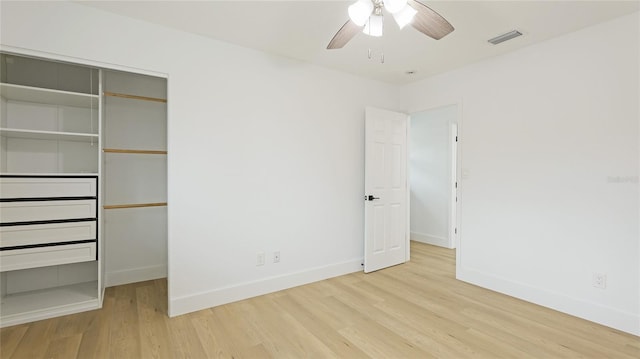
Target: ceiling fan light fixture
373, 27
404, 16
360, 11
413, 12
393, 6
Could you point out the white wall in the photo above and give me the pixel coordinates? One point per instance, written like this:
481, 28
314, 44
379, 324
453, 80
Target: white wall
430, 174
549, 146
265, 153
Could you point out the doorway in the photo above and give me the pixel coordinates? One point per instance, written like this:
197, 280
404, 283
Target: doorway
433, 173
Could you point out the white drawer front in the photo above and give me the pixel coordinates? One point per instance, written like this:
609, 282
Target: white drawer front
20, 187
14, 236
46, 210
46, 256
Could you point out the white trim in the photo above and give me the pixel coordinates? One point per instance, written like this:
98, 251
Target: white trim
439, 104
79, 61
194, 302
453, 180
611, 317
46, 313
407, 257
431, 239
459, 192
135, 275
100, 233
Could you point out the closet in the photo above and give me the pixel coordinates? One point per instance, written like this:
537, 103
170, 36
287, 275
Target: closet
134, 177
82, 185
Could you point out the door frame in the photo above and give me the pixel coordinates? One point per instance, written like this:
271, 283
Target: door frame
455, 210
453, 172
408, 209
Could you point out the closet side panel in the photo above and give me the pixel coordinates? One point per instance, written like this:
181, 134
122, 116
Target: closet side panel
135, 178
134, 84
136, 244
136, 125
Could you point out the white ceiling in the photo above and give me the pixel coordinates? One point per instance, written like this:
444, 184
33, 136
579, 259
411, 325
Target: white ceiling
301, 30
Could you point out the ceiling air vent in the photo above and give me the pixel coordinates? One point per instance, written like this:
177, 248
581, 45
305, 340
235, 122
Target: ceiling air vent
504, 37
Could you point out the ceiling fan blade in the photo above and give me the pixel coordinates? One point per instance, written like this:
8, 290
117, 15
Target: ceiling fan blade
346, 33
429, 22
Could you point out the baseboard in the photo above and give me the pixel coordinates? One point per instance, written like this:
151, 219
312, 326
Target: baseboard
46, 313
199, 301
135, 275
610, 317
430, 239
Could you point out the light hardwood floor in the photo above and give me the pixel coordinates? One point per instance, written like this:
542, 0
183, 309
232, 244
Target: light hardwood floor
415, 310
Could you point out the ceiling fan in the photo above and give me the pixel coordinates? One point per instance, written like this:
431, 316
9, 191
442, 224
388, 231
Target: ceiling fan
367, 15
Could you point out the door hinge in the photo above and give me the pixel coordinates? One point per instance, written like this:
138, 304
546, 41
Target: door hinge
456, 184
455, 230
456, 138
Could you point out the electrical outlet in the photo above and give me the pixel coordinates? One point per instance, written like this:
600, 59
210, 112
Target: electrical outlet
599, 280
260, 259
276, 257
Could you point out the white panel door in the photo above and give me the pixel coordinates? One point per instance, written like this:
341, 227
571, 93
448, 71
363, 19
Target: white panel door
386, 225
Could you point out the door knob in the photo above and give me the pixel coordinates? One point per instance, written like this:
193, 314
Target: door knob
371, 198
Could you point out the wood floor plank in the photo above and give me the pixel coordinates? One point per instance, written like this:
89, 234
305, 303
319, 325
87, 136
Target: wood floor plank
96, 339
407, 320
334, 314
35, 341
124, 341
72, 325
154, 334
295, 342
184, 341
320, 328
64, 347
414, 310
379, 342
208, 331
238, 331
10, 338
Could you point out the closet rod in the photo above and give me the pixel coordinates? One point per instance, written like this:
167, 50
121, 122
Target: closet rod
135, 205
144, 152
134, 97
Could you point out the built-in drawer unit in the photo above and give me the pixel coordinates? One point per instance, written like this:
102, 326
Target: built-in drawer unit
30, 211
47, 220
48, 187
47, 256
28, 236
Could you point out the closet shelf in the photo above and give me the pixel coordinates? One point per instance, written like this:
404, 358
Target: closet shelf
135, 205
49, 135
48, 96
134, 97
38, 304
142, 152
